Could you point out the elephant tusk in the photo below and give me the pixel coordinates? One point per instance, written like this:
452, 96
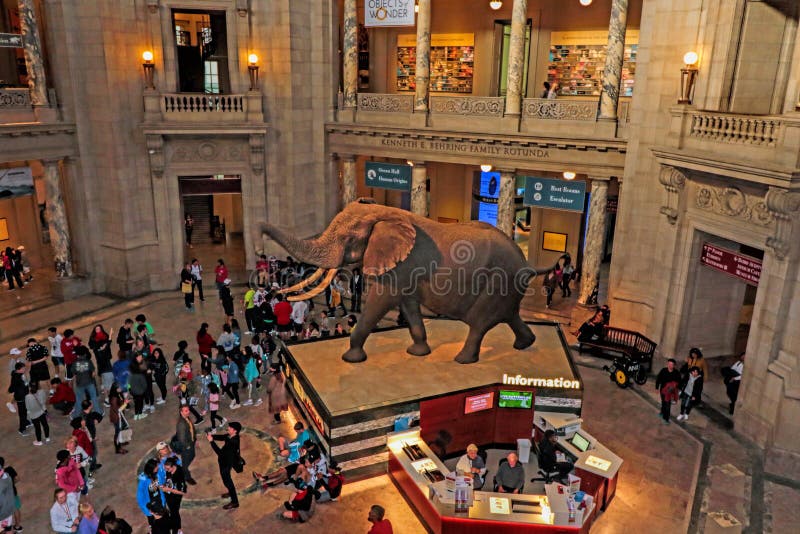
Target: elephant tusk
307, 282
317, 290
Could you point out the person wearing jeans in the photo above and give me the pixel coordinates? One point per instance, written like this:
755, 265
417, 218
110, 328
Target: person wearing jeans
83, 370
667, 383
35, 402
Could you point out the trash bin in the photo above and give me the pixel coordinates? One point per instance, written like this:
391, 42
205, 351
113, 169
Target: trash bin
524, 450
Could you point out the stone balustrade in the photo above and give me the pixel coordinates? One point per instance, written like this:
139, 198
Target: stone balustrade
483, 106
202, 103
15, 98
730, 128
385, 103
559, 109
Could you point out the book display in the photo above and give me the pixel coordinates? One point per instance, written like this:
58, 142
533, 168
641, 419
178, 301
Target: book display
577, 60
452, 63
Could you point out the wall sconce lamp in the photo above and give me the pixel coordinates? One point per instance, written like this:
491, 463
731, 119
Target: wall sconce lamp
252, 69
149, 69
416, 7
688, 77
495, 4
585, 3
569, 175
486, 167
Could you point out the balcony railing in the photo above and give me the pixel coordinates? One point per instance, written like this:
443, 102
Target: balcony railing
560, 109
15, 98
729, 128
483, 106
202, 103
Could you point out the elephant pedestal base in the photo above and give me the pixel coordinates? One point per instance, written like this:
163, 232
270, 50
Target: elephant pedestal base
351, 407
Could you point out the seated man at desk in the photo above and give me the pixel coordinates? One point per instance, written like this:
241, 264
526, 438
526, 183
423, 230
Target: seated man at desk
471, 464
510, 475
547, 456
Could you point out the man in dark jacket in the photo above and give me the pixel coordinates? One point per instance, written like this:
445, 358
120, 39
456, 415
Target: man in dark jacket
547, 456
186, 437
227, 456
19, 388
667, 384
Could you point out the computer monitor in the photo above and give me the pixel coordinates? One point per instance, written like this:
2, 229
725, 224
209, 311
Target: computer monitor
580, 442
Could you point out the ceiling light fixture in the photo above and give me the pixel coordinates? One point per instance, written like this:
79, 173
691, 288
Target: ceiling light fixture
569, 175
495, 4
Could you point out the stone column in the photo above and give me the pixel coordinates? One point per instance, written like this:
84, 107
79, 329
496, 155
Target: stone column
34, 60
505, 202
57, 216
516, 57
348, 179
595, 239
419, 189
422, 75
612, 75
350, 54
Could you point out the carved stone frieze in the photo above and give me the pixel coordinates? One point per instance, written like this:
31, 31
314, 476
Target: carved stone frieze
385, 103
733, 202
487, 106
205, 150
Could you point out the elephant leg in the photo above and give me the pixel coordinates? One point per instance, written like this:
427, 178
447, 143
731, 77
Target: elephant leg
378, 303
524, 336
472, 346
416, 327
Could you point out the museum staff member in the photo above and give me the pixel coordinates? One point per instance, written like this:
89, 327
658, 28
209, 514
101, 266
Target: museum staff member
510, 475
473, 465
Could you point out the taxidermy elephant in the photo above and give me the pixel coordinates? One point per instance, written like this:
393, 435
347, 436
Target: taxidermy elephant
471, 272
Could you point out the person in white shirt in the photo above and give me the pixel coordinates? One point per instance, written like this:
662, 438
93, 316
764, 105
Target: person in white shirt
732, 387
473, 465
64, 516
299, 314
196, 271
55, 349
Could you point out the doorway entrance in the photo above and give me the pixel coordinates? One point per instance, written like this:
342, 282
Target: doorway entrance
215, 206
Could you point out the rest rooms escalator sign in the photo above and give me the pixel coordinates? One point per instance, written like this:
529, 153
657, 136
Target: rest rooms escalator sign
554, 194
388, 176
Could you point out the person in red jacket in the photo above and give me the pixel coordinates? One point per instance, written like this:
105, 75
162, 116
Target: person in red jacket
68, 345
63, 398
81, 433
68, 474
283, 316
220, 274
379, 524
204, 345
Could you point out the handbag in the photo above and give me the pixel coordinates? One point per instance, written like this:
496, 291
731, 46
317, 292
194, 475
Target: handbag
11, 407
238, 464
126, 432
186, 287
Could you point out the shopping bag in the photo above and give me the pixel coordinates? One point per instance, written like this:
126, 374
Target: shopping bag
11, 407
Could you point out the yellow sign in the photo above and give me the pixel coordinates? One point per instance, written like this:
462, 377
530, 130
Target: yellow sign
554, 241
441, 39
598, 37
598, 463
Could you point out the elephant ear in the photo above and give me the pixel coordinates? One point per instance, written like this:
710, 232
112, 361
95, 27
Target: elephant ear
389, 243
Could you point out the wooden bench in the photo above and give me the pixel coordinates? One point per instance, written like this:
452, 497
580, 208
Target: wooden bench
633, 344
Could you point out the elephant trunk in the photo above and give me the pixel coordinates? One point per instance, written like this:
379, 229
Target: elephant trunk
323, 251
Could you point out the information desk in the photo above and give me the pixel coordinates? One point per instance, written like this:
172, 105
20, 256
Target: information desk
419, 474
597, 467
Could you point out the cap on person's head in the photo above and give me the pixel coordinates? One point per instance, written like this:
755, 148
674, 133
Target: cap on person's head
472, 448
161, 445
236, 426
227, 281
62, 455
299, 425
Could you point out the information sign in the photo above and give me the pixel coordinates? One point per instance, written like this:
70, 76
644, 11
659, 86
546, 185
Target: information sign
745, 268
554, 194
388, 176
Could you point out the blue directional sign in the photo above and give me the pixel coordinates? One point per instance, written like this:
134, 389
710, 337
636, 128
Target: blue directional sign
554, 194
388, 175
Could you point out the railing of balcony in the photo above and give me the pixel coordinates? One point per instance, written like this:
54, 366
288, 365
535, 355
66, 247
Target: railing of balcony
763, 131
15, 98
560, 109
202, 103
484, 106
385, 103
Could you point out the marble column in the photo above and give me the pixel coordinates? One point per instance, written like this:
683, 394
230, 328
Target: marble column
34, 59
595, 239
419, 189
516, 57
57, 216
615, 54
505, 203
422, 75
350, 54
348, 179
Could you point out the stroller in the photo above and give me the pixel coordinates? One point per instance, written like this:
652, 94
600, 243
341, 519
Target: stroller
625, 368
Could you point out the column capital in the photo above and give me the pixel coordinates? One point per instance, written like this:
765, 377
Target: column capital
345, 157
